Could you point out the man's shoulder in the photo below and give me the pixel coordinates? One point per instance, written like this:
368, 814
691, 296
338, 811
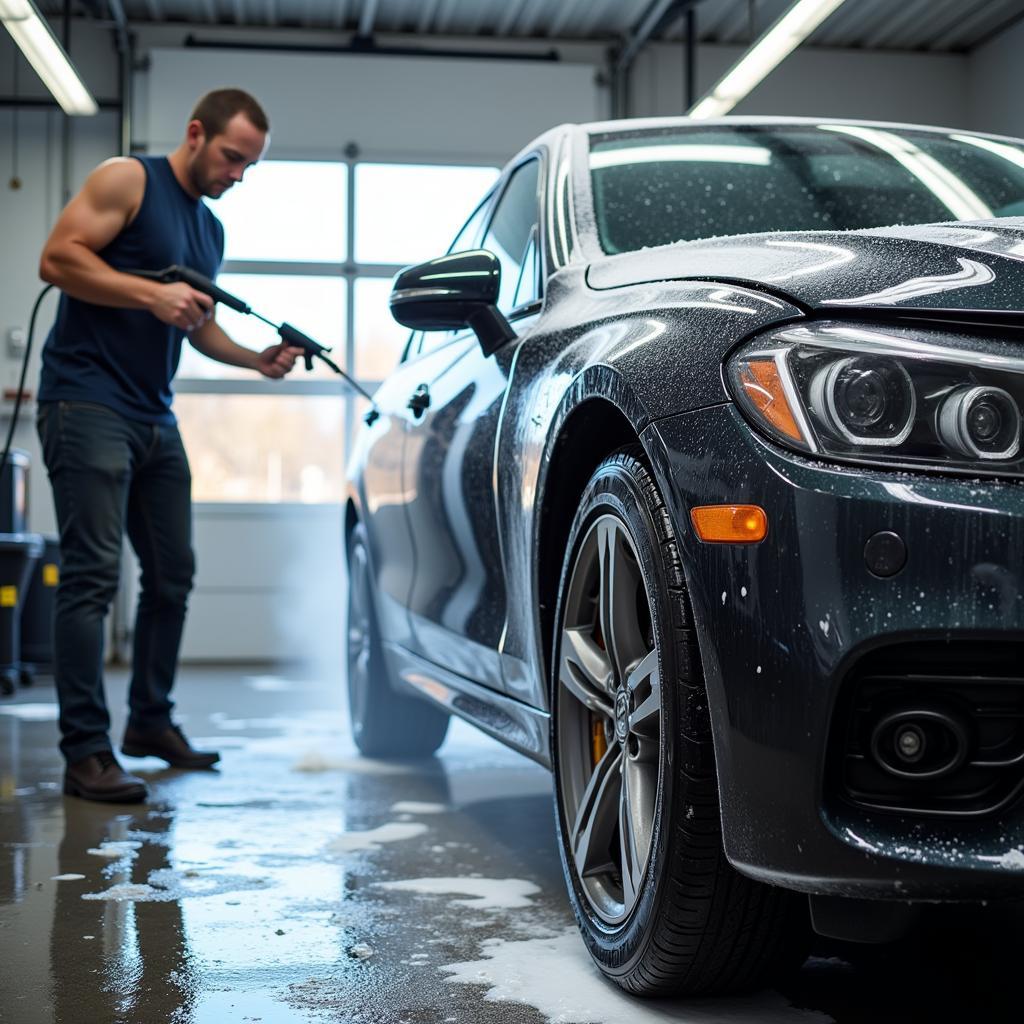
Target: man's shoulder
119, 181
121, 168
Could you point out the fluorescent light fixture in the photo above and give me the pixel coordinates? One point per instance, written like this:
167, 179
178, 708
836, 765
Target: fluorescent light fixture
1012, 153
764, 56
672, 153
41, 49
961, 200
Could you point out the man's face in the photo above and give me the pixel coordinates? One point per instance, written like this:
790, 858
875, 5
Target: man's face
217, 163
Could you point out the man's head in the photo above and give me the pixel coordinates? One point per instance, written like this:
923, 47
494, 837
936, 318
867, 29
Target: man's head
226, 134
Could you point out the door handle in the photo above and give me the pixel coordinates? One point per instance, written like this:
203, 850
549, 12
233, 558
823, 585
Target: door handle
420, 400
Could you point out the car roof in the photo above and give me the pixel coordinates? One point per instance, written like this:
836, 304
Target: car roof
654, 123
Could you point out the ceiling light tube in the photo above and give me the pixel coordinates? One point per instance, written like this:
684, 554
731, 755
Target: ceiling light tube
802, 18
41, 49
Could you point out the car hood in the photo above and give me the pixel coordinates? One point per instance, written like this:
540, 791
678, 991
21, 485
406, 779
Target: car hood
965, 266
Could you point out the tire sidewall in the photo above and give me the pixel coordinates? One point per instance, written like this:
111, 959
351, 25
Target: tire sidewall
616, 488
357, 541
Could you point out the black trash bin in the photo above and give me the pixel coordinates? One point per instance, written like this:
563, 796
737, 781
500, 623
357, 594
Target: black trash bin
37, 613
14, 493
18, 553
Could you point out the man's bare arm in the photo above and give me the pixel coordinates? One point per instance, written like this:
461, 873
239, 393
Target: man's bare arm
107, 203
212, 341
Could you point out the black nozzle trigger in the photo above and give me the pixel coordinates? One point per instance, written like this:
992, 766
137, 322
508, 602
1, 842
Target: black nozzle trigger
310, 348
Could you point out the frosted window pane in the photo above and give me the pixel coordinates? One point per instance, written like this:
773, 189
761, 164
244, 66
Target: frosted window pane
264, 448
286, 210
379, 338
408, 213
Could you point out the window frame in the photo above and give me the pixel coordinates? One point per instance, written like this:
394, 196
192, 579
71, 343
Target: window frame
534, 305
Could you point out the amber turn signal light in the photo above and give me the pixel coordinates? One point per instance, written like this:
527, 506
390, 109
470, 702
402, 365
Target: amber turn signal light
730, 524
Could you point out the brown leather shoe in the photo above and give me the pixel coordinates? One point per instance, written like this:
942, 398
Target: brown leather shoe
169, 744
100, 777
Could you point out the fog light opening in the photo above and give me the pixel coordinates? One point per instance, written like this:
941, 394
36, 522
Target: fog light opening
920, 743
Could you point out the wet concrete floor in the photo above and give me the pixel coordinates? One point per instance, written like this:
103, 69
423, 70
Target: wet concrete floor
300, 883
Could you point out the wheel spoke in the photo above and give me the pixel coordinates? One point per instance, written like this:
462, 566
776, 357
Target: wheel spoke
585, 671
596, 817
631, 848
644, 684
617, 601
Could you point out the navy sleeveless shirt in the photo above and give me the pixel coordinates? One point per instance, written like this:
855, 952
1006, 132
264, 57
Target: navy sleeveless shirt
125, 358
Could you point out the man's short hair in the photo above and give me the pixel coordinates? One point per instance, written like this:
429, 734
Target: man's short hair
216, 108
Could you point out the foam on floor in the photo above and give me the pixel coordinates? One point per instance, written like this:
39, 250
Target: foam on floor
481, 893
556, 976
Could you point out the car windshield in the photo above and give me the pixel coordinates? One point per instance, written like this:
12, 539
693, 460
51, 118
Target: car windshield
654, 187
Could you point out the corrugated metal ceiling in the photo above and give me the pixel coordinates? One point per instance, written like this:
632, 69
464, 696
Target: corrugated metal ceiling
926, 25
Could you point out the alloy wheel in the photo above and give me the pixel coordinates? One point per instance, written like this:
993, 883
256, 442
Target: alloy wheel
609, 720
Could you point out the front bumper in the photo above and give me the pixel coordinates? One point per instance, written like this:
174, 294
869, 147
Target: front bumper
783, 626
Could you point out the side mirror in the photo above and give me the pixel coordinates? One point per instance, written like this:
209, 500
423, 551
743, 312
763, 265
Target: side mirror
452, 293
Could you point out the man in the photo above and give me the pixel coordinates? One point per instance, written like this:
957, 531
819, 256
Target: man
110, 441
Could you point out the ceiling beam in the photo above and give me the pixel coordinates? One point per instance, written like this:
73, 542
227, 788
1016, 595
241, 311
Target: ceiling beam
531, 17
444, 16
965, 26
367, 18
566, 9
713, 25
654, 20
510, 17
427, 12
907, 15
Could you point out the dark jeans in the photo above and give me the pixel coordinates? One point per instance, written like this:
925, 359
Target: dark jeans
110, 474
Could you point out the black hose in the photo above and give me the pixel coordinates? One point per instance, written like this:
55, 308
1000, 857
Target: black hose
21, 380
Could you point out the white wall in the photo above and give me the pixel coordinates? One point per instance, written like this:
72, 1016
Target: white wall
996, 84
389, 107
919, 88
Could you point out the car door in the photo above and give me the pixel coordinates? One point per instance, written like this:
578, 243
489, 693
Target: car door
457, 604
379, 461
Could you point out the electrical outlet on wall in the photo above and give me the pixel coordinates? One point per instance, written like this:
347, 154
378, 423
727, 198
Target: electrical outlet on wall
16, 341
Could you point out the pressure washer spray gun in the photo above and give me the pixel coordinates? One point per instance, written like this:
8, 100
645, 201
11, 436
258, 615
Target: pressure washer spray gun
289, 335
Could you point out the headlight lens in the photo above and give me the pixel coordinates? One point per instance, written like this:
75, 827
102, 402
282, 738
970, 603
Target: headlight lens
981, 423
884, 395
865, 400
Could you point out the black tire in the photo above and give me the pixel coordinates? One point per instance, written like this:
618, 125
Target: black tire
664, 913
385, 723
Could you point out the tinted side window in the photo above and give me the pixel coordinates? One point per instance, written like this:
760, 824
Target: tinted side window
512, 237
469, 236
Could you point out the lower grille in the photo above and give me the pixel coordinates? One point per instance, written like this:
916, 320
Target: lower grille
933, 729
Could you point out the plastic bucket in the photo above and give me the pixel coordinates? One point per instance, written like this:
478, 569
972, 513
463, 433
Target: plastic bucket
18, 553
37, 613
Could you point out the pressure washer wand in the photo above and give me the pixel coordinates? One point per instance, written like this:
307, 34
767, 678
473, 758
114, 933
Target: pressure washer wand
289, 335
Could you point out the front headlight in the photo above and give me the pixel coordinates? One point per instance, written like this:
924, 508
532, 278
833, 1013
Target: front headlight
883, 395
